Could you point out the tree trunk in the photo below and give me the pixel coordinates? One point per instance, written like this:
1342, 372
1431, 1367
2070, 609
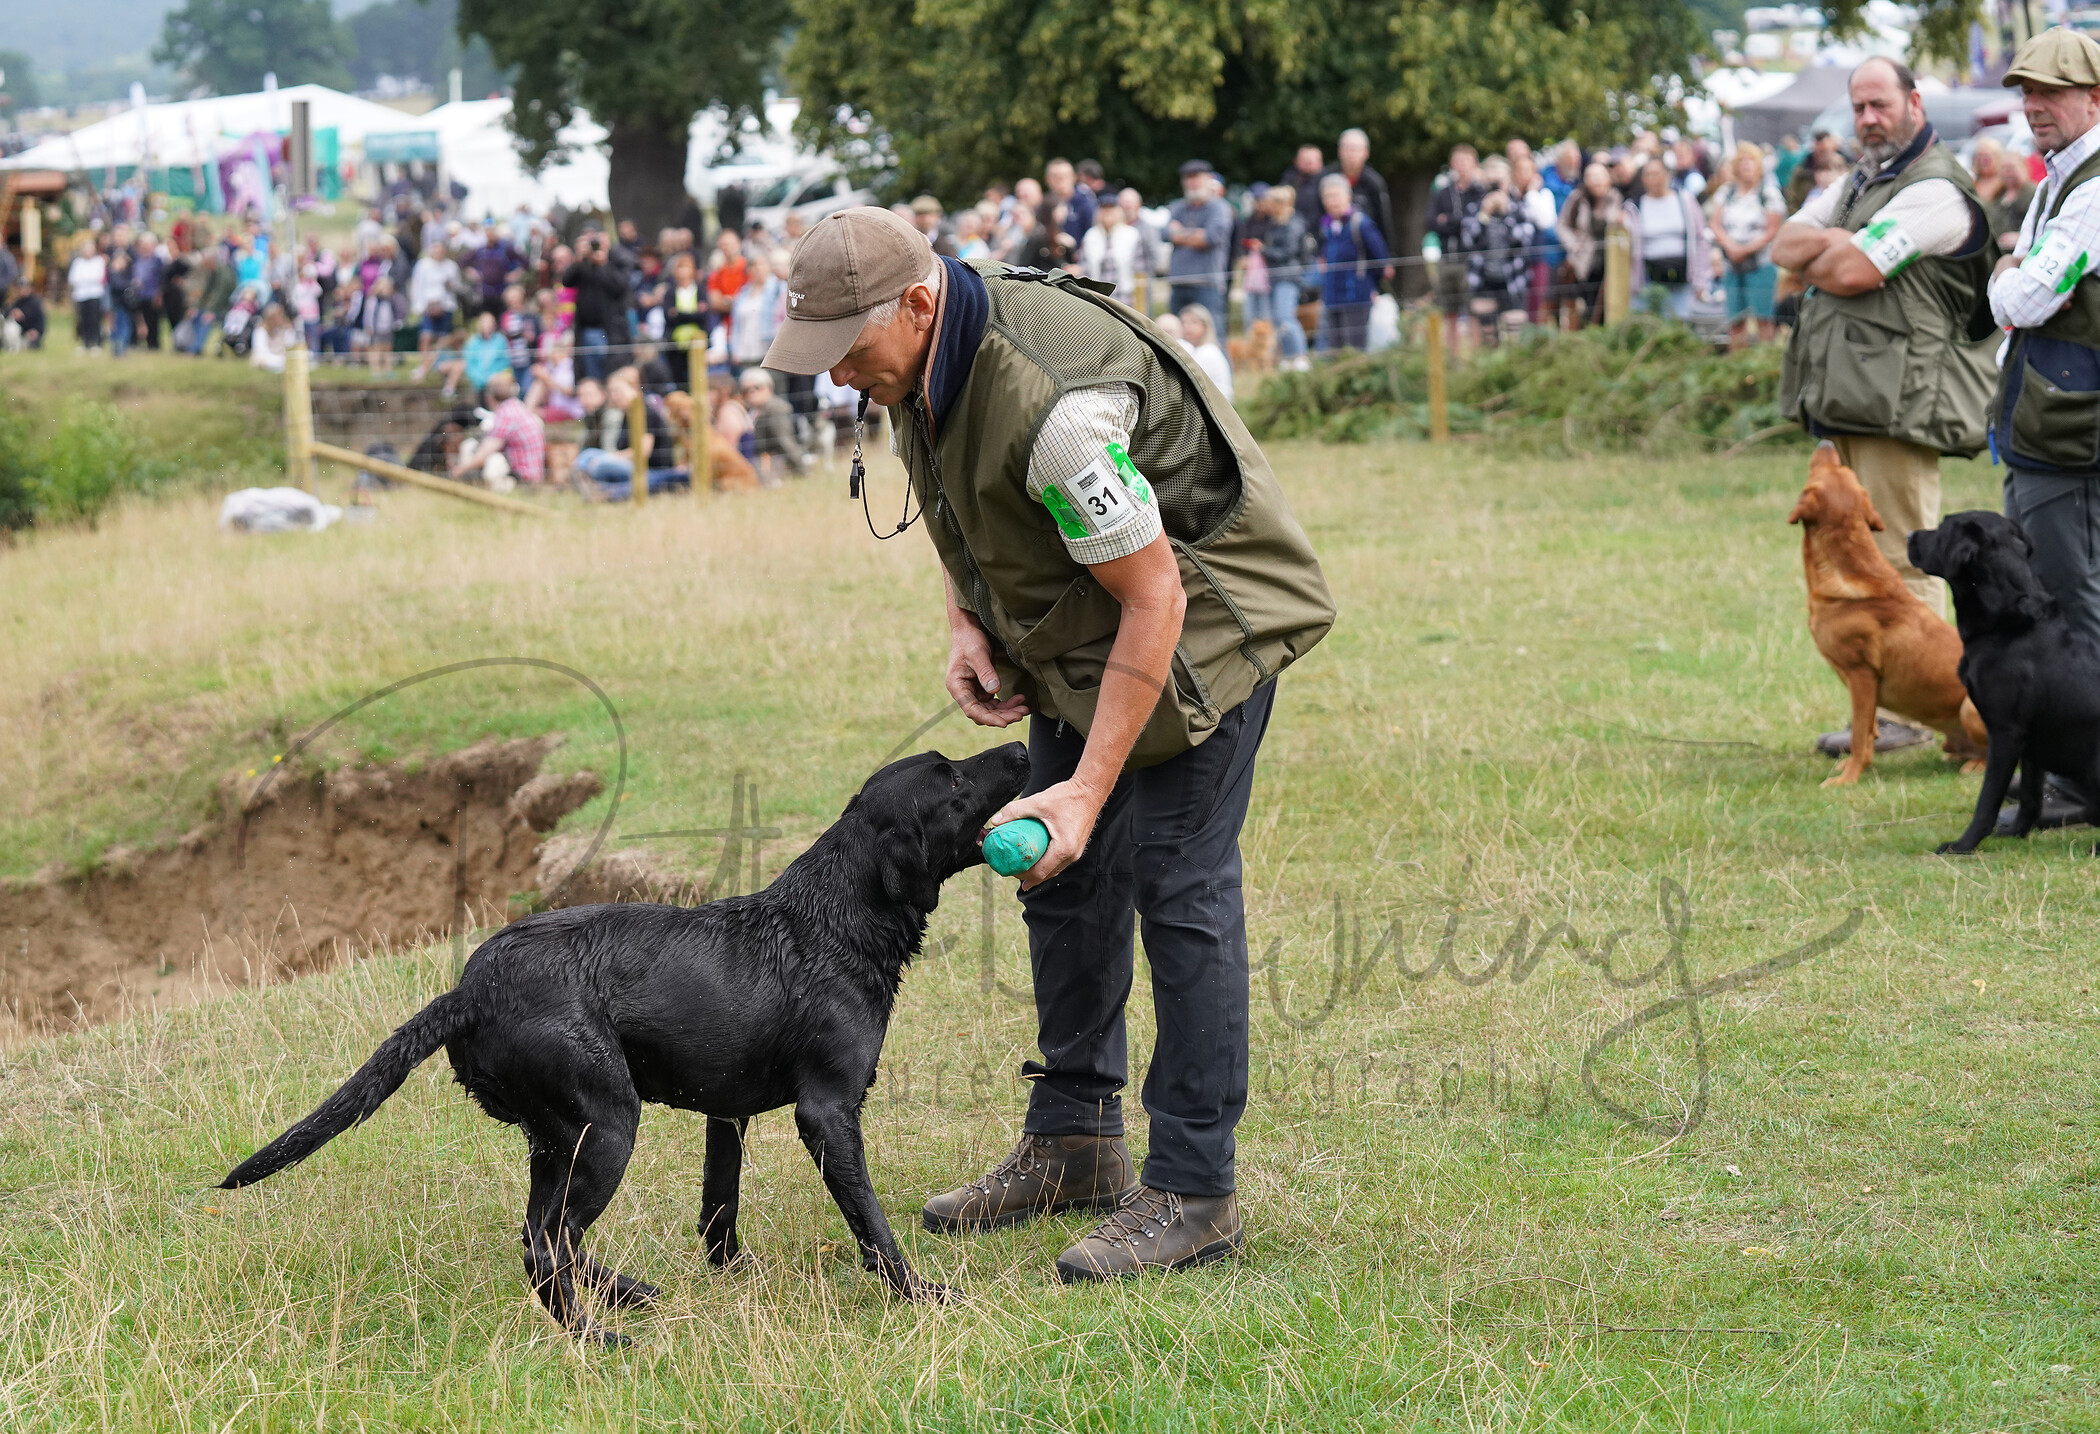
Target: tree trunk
1411, 190
647, 183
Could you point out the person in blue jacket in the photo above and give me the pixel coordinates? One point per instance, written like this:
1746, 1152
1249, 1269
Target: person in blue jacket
1350, 248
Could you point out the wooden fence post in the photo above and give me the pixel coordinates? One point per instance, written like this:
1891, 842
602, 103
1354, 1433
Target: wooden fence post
638, 444
1618, 274
1439, 408
399, 473
298, 418
702, 459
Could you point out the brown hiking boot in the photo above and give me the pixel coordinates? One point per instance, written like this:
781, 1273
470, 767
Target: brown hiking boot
1155, 1230
1045, 1174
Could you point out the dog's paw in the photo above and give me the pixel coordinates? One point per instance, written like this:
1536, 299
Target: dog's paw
928, 1292
1842, 779
1953, 848
627, 1294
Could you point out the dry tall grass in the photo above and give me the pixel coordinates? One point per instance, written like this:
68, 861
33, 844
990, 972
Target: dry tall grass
1883, 1221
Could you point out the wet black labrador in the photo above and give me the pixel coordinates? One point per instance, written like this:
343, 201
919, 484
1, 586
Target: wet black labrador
2034, 678
565, 1022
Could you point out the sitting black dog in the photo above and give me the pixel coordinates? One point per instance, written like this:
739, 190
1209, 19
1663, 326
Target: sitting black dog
565, 1022
2034, 678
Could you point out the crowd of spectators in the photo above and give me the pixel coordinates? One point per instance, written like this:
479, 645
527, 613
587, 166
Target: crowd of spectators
569, 310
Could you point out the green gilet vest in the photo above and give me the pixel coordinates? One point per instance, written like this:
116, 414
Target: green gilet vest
2048, 402
1257, 600
1905, 360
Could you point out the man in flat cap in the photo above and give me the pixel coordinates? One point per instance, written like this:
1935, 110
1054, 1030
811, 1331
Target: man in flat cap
1891, 355
2046, 419
1123, 570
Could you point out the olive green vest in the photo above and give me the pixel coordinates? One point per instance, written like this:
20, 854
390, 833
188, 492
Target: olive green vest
1905, 360
2049, 389
1257, 600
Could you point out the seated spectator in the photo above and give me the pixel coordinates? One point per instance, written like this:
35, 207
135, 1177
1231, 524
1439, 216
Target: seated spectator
603, 465
273, 336
1200, 338
654, 372
26, 313
514, 446
836, 407
773, 438
727, 468
554, 390
731, 419
482, 357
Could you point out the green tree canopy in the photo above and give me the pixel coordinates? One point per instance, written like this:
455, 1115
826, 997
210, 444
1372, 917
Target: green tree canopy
419, 39
19, 84
642, 69
966, 91
229, 45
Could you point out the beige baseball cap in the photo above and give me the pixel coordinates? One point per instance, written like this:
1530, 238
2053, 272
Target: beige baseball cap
850, 262
2062, 57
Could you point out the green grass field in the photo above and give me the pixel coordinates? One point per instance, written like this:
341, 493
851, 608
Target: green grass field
1560, 688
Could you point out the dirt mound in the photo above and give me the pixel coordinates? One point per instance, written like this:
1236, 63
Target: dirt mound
330, 863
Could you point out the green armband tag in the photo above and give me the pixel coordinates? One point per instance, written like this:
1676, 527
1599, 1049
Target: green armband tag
1068, 521
1128, 472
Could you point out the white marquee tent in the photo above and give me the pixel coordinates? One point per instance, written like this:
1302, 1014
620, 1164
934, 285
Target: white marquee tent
193, 132
478, 151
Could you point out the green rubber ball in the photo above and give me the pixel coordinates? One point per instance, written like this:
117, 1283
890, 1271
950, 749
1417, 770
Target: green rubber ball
1013, 847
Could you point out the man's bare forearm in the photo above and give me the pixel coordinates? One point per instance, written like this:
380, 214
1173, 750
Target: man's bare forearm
1139, 666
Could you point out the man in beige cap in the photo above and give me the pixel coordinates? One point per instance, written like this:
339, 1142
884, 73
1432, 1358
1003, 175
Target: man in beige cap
1891, 355
2048, 431
1122, 569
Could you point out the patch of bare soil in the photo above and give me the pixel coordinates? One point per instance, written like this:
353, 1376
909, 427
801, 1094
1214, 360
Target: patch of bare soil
330, 864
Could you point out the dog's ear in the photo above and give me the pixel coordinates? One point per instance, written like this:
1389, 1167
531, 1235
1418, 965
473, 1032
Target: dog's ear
1874, 523
2007, 584
908, 877
1809, 507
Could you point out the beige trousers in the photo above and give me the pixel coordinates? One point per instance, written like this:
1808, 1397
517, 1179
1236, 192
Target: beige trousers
1904, 482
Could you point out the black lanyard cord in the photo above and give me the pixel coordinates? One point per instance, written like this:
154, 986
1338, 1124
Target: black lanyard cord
857, 482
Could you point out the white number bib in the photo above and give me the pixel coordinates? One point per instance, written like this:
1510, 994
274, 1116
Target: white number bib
2057, 260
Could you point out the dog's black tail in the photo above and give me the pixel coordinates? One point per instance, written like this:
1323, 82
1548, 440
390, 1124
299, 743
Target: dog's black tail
361, 1095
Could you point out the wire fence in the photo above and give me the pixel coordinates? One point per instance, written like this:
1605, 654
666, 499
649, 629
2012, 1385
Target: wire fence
431, 410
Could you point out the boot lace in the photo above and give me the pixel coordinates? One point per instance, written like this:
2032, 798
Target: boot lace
1146, 1215
1025, 1159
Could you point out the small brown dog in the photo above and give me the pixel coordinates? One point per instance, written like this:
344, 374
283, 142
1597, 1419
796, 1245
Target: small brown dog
1256, 352
1891, 650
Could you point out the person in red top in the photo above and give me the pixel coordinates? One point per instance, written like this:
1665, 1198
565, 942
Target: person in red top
725, 278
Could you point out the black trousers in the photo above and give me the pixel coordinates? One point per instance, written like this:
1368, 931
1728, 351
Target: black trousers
2061, 516
1166, 850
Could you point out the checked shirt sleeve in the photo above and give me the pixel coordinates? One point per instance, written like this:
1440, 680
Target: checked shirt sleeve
1080, 471
2056, 258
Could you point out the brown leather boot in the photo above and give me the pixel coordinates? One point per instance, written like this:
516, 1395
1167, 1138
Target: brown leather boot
1045, 1174
1155, 1230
